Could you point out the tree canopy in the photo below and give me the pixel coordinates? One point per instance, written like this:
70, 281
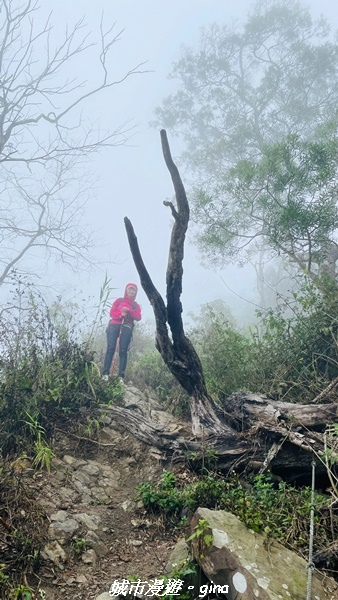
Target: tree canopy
285, 202
256, 107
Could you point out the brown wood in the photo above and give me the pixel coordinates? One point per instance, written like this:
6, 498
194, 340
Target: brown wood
256, 437
249, 431
177, 352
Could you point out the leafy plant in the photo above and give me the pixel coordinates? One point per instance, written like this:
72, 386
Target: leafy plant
22, 592
164, 496
3, 577
43, 454
46, 371
278, 510
202, 532
187, 571
92, 427
79, 546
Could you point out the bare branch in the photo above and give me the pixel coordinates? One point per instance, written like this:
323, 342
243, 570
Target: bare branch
39, 207
179, 355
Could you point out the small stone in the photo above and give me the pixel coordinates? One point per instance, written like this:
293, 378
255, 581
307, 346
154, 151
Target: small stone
90, 521
89, 557
54, 552
136, 522
63, 530
73, 462
67, 493
81, 579
91, 469
82, 477
94, 542
136, 542
61, 515
105, 420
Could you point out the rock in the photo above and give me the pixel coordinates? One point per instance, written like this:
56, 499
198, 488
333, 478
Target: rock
80, 579
50, 593
47, 504
91, 469
90, 521
83, 489
136, 522
82, 477
68, 494
104, 596
54, 552
108, 484
179, 554
94, 542
89, 557
109, 435
136, 542
157, 454
103, 419
57, 462
73, 462
127, 505
61, 515
63, 530
237, 559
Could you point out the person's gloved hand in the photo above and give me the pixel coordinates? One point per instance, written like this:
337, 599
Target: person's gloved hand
124, 311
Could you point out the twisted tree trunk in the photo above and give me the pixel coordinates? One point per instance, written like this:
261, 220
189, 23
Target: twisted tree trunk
178, 353
252, 431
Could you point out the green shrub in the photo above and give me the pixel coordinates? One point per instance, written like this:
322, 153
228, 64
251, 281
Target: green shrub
46, 374
226, 357
276, 509
296, 354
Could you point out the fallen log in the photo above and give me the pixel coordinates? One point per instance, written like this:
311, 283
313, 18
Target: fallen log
259, 434
248, 430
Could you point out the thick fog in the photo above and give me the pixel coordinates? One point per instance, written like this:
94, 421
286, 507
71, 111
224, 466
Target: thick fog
131, 179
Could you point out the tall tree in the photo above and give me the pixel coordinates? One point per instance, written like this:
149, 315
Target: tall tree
44, 135
272, 80
284, 204
176, 349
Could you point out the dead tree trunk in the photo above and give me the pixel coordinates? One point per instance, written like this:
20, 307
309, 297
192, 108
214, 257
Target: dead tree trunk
259, 434
178, 353
253, 431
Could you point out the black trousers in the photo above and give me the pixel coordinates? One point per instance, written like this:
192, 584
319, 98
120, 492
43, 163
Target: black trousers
113, 332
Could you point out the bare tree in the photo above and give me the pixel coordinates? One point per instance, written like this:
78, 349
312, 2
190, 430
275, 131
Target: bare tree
251, 431
44, 137
177, 352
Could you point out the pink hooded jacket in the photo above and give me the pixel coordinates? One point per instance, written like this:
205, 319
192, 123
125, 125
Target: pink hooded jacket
134, 309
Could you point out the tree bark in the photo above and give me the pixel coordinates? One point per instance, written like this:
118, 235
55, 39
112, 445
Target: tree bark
177, 352
251, 431
259, 434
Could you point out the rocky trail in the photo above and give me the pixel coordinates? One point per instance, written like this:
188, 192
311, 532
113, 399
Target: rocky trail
97, 532
94, 531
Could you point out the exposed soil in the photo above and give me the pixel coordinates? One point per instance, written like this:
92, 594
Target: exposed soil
92, 487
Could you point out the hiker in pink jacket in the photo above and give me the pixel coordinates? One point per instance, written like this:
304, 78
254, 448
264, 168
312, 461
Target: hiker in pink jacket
123, 313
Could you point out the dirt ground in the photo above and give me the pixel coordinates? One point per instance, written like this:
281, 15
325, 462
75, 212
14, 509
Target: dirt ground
128, 542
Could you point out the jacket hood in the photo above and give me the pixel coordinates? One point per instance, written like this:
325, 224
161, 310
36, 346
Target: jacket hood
130, 285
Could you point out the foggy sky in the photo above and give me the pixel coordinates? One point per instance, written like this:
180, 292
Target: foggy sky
132, 180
